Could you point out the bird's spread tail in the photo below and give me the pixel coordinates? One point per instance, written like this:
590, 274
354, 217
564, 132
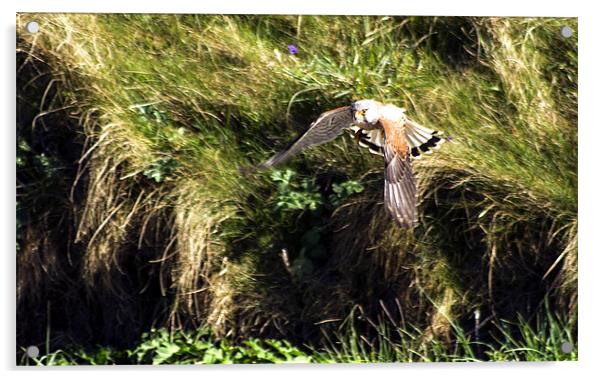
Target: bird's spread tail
422, 140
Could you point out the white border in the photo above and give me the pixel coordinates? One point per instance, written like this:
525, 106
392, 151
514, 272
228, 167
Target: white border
589, 185
435, 8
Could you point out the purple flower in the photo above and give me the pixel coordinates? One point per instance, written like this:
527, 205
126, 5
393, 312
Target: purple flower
450, 137
292, 49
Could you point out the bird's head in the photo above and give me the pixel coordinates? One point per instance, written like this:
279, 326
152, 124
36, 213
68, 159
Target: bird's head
365, 112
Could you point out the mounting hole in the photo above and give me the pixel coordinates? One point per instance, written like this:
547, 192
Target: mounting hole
566, 347
566, 31
33, 351
32, 27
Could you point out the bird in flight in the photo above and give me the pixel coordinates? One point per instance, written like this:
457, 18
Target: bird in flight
385, 130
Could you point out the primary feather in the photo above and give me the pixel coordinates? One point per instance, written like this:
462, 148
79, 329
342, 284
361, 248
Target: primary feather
327, 127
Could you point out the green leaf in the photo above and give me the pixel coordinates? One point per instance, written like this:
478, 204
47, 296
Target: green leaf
164, 352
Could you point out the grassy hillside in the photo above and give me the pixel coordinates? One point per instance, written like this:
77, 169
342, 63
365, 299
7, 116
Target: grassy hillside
133, 213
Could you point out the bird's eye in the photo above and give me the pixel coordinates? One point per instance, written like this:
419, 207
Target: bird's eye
363, 112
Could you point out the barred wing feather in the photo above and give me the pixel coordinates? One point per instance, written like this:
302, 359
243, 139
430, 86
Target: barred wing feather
327, 127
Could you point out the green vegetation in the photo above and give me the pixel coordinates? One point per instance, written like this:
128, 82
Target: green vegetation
134, 214
514, 341
391, 344
159, 347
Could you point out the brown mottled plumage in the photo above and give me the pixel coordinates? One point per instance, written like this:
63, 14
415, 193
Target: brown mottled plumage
385, 130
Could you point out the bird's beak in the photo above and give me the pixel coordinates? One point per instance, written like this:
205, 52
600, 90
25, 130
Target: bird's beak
357, 116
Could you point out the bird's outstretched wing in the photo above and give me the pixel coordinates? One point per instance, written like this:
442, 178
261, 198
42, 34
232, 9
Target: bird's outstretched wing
327, 127
400, 186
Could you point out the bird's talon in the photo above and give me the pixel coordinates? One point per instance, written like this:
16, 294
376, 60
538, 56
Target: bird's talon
358, 136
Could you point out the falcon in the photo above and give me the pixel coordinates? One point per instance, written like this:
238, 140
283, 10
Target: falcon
385, 130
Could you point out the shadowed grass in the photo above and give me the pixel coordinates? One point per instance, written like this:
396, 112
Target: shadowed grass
393, 341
